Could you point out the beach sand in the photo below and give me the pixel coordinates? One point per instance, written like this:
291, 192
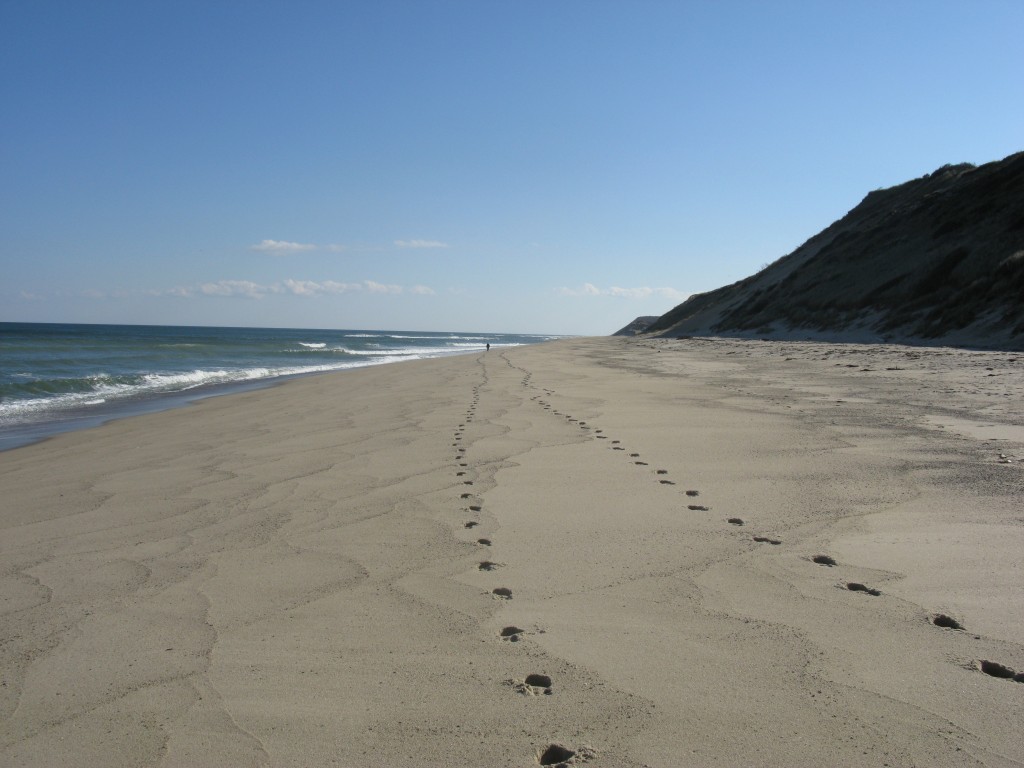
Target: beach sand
306, 575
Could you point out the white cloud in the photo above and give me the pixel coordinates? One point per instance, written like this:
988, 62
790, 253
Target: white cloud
672, 293
281, 247
630, 293
643, 292
330, 286
181, 291
374, 287
249, 289
234, 288
303, 287
588, 289
311, 288
420, 244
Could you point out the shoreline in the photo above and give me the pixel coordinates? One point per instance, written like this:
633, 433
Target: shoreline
619, 547
76, 420
83, 418
62, 377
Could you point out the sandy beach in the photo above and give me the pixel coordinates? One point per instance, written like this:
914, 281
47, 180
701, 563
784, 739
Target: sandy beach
615, 552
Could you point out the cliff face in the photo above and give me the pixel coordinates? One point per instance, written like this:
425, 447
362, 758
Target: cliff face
939, 259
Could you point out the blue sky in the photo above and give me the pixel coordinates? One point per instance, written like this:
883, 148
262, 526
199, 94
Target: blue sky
555, 166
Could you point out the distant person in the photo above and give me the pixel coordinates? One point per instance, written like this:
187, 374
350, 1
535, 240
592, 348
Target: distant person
488, 346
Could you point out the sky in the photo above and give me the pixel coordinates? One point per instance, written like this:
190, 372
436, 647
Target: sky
518, 166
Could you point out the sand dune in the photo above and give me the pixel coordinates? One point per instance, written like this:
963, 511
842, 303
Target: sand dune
935, 260
614, 552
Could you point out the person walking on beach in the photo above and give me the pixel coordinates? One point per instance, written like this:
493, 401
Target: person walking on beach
488, 346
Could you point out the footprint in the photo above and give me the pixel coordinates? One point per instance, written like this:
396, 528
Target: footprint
640, 463
503, 592
735, 521
459, 474
466, 496
616, 442
856, 586
666, 482
766, 540
946, 622
693, 493
662, 472
511, 634
634, 455
485, 542
698, 508
617, 448
475, 507
995, 669
533, 684
555, 754
471, 524
488, 565
823, 560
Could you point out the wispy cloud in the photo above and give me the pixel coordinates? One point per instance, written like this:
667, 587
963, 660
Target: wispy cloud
587, 289
312, 288
247, 289
281, 247
374, 287
420, 244
291, 287
244, 288
644, 292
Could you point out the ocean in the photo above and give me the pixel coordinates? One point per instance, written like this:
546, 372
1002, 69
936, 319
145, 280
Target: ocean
56, 377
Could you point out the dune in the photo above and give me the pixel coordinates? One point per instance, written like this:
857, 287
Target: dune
935, 260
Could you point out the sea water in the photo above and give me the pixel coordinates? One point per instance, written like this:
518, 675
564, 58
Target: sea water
55, 377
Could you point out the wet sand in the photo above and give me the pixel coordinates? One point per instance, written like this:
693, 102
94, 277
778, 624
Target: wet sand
640, 552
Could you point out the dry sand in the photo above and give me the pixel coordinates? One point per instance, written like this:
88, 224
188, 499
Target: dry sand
295, 576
